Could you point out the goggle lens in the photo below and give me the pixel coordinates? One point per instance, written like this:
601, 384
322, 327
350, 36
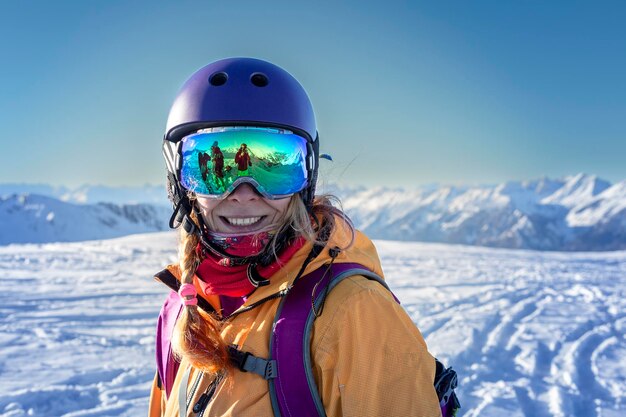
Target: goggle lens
216, 161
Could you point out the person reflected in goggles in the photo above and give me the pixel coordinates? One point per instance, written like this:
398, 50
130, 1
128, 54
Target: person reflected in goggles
242, 159
218, 165
203, 160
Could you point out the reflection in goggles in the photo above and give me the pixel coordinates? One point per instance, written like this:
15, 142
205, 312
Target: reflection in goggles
215, 162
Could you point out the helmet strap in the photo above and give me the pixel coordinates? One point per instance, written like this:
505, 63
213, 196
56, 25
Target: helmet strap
180, 216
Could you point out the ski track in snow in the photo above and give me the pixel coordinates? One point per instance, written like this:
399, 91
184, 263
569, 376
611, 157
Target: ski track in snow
529, 333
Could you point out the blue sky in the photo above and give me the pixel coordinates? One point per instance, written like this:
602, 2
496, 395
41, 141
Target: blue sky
405, 92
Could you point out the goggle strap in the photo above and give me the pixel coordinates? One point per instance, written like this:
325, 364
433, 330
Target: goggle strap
174, 192
308, 193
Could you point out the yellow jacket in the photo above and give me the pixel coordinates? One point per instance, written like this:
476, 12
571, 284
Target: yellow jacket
369, 358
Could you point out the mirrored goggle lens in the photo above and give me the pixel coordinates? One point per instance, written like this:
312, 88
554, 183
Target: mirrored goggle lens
215, 162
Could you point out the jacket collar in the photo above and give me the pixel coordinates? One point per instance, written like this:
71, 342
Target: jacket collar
360, 250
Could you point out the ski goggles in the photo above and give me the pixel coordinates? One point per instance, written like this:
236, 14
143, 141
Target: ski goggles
215, 161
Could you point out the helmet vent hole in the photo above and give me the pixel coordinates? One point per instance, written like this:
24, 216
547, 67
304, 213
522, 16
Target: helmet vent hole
219, 78
259, 79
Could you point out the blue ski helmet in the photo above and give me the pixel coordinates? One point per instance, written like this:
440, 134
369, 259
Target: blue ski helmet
241, 92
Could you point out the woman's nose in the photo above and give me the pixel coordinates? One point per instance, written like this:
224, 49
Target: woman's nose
244, 193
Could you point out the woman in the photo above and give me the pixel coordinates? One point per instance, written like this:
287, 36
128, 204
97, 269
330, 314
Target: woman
218, 165
245, 249
243, 161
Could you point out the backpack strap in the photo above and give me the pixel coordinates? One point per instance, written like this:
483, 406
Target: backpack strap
290, 340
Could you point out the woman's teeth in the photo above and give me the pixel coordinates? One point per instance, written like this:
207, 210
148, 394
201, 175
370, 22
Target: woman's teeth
245, 221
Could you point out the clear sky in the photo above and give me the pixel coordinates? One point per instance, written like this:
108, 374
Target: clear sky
405, 92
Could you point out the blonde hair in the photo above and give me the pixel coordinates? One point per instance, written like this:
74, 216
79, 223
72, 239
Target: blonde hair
197, 335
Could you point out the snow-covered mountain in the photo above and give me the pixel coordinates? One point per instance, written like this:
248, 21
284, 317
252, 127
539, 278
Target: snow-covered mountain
580, 212
91, 194
32, 218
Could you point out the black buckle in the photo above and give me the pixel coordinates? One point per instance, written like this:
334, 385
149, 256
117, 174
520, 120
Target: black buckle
238, 356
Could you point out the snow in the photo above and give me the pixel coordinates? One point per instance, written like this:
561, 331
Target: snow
577, 189
599, 209
91, 194
77, 325
530, 333
32, 218
580, 212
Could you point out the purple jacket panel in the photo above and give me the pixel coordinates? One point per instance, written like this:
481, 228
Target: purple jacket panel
167, 366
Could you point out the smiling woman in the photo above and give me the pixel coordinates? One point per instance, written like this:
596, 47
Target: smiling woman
252, 326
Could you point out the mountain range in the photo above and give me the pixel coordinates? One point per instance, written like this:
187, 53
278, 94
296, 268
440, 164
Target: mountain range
579, 212
34, 218
86, 194
575, 213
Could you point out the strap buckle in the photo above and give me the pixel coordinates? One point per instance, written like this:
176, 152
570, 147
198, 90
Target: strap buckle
247, 362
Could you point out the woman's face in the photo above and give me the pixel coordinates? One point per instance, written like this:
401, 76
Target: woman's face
244, 211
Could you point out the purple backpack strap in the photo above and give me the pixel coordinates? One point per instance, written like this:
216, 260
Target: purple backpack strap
290, 344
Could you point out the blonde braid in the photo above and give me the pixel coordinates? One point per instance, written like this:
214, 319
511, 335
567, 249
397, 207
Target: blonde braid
197, 335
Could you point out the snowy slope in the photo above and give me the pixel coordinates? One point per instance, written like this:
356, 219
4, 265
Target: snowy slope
35, 219
530, 333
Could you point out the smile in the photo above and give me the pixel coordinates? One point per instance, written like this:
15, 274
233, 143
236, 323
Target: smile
243, 221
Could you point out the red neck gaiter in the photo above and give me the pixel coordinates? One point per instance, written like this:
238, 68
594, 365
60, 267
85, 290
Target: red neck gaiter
218, 277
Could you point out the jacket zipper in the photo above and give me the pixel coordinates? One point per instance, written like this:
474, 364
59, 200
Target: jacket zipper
193, 390
206, 398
